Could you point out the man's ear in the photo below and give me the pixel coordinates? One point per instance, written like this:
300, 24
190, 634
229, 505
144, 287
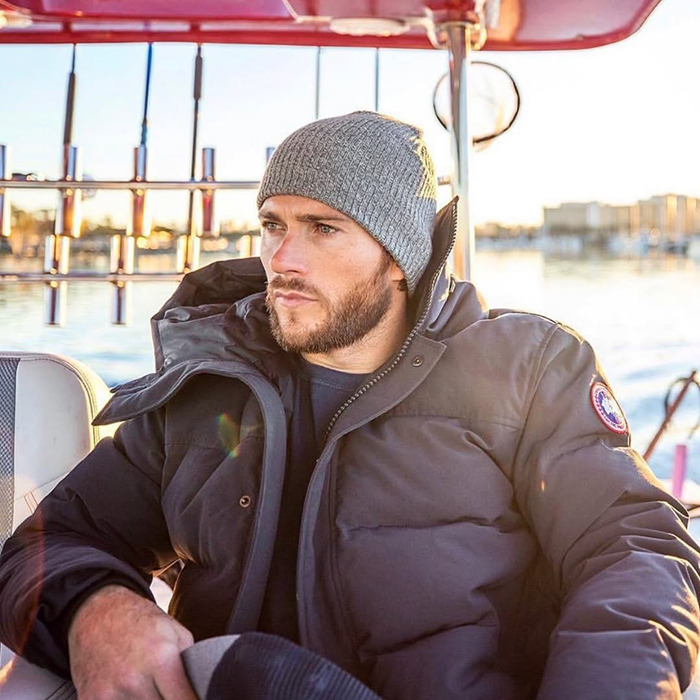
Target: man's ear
397, 275
395, 272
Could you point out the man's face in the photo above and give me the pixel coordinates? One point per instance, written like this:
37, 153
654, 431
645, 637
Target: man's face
329, 282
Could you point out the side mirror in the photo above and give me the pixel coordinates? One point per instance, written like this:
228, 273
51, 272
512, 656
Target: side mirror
494, 102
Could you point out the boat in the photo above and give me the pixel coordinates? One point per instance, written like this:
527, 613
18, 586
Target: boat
460, 28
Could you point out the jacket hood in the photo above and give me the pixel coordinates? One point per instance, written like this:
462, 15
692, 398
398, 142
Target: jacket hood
216, 321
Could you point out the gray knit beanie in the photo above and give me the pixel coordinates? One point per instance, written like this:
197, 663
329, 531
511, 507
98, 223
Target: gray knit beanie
372, 168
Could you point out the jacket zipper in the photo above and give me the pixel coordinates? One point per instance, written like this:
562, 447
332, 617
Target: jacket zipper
407, 342
303, 533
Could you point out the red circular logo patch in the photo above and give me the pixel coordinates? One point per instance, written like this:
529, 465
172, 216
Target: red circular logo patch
607, 408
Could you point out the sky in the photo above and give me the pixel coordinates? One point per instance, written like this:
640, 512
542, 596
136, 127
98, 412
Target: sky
615, 124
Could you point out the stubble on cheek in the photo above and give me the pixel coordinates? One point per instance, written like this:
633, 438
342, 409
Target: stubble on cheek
339, 324
290, 329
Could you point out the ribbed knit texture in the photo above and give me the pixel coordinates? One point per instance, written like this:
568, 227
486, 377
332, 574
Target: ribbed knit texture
375, 169
264, 667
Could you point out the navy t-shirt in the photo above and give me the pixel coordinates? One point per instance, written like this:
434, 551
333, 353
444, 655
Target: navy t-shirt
318, 393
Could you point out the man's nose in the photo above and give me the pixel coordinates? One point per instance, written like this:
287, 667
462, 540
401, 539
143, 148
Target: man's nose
290, 254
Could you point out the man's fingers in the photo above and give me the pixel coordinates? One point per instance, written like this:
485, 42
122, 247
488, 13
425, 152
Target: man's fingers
172, 682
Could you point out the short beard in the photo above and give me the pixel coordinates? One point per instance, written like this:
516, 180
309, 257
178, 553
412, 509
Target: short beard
347, 321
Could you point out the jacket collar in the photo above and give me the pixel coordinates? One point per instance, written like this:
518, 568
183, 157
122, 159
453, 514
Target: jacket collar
218, 314
231, 290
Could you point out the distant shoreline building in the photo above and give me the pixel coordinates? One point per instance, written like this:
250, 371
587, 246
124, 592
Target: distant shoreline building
667, 222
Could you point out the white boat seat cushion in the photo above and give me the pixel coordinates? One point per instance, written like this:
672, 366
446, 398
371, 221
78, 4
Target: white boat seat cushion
47, 403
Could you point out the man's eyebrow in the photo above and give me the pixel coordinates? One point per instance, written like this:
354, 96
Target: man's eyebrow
309, 218
264, 214
312, 218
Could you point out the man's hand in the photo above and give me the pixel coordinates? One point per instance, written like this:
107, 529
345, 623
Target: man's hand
123, 646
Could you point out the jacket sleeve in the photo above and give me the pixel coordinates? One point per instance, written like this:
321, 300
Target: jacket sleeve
102, 524
624, 564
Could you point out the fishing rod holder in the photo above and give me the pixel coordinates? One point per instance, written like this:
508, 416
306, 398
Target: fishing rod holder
121, 262
139, 222
57, 245
56, 262
210, 222
122, 249
68, 213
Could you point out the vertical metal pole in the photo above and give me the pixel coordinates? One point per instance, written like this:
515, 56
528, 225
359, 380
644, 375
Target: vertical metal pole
5, 174
121, 261
317, 103
188, 248
376, 80
57, 246
123, 246
459, 46
56, 255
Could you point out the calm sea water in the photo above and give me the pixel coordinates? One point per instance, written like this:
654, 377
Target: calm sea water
642, 315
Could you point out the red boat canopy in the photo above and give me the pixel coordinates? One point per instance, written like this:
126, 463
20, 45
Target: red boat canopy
512, 24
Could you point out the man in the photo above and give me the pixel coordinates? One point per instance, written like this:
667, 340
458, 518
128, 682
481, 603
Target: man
344, 448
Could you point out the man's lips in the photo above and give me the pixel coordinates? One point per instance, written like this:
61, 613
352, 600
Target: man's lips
292, 299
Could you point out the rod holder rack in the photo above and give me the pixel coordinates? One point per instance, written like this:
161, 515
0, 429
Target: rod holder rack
122, 246
186, 185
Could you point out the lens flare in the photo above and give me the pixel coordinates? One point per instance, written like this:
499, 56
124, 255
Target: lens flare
229, 434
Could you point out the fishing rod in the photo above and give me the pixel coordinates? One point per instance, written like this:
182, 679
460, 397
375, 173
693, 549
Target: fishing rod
67, 222
122, 251
188, 255
70, 102
68, 214
140, 222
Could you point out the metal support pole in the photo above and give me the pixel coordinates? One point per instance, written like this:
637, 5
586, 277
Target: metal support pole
210, 222
5, 174
56, 254
376, 80
121, 261
122, 246
188, 248
459, 37
317, 101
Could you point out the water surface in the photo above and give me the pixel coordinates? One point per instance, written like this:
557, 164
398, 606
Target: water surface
642, 315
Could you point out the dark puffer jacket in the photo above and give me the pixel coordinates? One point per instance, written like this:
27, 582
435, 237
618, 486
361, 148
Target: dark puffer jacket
472, 528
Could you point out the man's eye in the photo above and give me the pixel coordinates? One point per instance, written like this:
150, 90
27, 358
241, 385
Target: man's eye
326, 229
269, 226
